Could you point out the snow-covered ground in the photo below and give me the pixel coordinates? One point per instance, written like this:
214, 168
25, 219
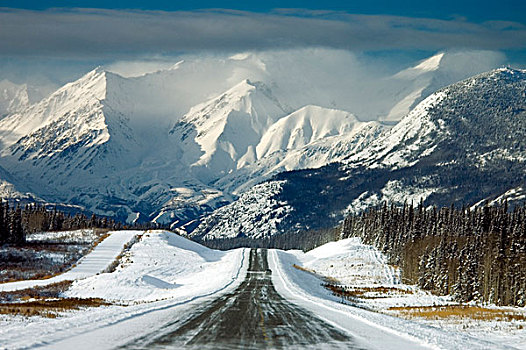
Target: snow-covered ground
356, 265
164, 278
47, 254
350, 263
75, 236
162, 266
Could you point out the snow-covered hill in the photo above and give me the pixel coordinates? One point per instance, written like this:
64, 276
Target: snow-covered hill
462, 144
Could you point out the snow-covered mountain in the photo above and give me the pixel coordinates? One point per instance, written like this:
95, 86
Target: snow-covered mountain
462, 144
411, 85
219, 133
307, 138
67, 135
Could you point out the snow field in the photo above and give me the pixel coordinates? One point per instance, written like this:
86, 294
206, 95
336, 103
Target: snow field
358, 265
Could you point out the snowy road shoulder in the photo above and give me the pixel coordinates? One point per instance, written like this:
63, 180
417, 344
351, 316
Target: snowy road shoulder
95, 262
374, 329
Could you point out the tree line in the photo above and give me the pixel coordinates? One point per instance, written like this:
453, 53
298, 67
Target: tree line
304, 240
472, 254
17, 222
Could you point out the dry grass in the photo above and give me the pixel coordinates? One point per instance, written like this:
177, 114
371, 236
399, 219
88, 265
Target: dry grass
301, 268
332, 284
458, 311
365, 292
48, 308
50, 291
34, 276
43, 301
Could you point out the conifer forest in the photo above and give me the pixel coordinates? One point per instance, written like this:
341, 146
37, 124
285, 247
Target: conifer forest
473, 254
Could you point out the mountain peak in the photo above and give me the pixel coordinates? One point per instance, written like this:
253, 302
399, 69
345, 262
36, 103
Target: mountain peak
79, 98
304, 126
430, 64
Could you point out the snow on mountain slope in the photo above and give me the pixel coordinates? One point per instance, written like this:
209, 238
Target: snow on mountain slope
514, 196
68, 133
257, 213
416, 83
103, 141
217, 133
308, 138
469, 108
13, 97
416, 128
81, 96
304, 126
16, 97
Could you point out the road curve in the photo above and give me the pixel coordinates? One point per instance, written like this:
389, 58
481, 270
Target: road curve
254, 316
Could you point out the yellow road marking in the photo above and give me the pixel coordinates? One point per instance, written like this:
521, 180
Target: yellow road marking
262, 323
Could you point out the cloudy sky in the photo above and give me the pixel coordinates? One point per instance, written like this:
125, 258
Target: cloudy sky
41, 40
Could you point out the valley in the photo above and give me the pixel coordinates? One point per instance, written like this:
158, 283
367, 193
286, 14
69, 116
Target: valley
246, 154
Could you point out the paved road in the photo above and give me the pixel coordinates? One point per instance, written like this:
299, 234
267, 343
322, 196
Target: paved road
254, 316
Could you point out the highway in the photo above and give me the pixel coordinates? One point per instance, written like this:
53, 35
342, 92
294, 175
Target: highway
254, 316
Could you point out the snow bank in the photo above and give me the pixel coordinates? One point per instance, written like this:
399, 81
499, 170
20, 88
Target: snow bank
352, 263
162, 265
